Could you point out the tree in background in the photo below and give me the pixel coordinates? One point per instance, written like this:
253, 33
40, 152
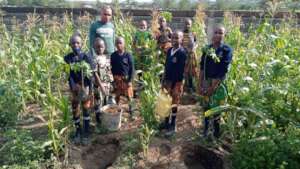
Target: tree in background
173, 4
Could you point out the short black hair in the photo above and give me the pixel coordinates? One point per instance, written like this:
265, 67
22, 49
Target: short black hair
98, 39
74, 35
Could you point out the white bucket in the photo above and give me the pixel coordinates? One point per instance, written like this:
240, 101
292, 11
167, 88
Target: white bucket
111, 120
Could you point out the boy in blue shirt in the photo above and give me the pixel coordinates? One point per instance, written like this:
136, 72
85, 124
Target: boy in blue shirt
80, 88
122, 67
174, 78
214, 66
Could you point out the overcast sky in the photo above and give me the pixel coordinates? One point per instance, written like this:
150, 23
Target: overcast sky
108, 1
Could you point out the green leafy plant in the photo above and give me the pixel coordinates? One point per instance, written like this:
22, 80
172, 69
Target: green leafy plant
167, 15
10, 104
211, 52
273, 149
145, 135
20, 148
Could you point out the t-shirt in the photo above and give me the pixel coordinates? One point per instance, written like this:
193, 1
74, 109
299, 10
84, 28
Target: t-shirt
142, 38
105, 31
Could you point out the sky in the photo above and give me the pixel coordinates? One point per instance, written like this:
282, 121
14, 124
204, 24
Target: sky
108, 1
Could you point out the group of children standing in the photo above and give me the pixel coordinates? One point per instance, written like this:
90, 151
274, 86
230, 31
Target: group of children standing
117, 69
114, 71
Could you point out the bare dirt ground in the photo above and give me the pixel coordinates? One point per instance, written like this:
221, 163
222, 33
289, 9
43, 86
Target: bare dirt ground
183, 151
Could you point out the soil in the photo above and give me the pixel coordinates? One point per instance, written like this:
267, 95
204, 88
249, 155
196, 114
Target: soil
112, 110
100, 154
183, 151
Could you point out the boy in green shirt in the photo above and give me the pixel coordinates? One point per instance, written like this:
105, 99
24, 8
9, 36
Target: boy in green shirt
141, 45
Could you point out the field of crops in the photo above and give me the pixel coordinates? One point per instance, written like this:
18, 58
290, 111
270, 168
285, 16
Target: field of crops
262, 117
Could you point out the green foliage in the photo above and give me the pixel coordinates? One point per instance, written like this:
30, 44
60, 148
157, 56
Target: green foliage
167, 15
32, 71
29, 165
127, 31
20, 149
211, 52
264, 75
147, 107
82, 67
130, 148
145, 135
264, 78
10, 104
148, 96
268, 148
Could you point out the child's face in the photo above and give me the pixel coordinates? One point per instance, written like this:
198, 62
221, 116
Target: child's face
143, 25
99, 47
218, 35
176, 39
120, 44
76, 43
162, 22
188, 24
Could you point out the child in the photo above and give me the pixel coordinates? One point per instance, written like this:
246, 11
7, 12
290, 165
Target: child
141, 45
174, 78
102, 77
123, 70
189, 43
214, 66
80, 88
164, 30
164, 35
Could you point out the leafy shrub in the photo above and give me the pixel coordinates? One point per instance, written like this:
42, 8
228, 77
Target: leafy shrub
20, 149
268, 148
10, 104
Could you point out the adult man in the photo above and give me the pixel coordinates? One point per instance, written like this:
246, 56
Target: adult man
214, 66
103, 29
